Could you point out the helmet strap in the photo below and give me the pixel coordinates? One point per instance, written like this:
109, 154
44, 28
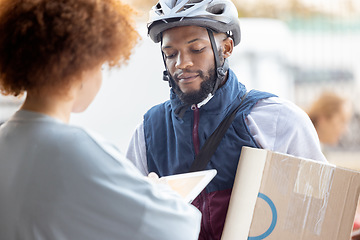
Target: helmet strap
166, 75
220, 70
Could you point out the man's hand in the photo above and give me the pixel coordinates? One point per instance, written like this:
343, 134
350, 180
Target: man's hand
355, 235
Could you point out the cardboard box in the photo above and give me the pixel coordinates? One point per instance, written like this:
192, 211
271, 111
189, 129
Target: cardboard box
278, 196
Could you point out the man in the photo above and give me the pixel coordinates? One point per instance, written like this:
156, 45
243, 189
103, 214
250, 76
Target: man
61, 182
196, 39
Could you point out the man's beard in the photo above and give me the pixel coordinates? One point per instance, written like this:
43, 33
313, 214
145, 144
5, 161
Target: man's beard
198, 96
206, 87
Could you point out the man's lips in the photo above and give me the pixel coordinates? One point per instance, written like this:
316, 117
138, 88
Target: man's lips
186, 77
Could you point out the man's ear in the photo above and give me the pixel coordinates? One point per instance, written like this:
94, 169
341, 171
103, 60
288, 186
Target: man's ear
227, 47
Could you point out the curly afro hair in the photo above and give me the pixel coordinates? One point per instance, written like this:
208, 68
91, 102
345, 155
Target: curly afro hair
46, 44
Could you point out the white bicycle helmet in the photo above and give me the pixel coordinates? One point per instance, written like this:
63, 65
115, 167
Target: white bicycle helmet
217, 15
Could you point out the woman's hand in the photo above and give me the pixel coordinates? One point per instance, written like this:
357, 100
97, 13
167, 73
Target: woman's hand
154, 178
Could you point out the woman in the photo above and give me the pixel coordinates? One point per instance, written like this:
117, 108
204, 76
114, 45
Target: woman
58, 181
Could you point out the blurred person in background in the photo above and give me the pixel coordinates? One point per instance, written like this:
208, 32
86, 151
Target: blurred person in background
330, 114
196, 40
59, 181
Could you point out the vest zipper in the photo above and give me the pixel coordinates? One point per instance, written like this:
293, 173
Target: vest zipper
195, 131
203, 197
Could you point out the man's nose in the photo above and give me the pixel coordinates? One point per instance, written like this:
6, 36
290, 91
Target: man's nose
183, 61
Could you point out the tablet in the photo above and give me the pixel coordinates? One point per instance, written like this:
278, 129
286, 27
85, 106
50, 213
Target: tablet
190, 185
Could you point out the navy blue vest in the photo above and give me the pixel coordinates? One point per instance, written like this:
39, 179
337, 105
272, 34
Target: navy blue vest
168, 137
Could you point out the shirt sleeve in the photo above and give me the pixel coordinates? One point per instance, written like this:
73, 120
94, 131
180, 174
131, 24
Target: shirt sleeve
136, 151
281, 126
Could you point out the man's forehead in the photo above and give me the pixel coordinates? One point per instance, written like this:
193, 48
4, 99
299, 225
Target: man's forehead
186, 28
185, 34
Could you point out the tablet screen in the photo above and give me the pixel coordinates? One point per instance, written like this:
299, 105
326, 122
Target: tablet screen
189, 185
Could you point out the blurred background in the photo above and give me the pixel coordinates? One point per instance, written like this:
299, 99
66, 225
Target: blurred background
296, 49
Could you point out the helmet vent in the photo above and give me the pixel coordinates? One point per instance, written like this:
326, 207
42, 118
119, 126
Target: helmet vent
189, 4
185, 7
158, 9
217, 9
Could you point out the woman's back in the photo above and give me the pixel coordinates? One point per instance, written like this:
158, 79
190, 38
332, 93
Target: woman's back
58, 182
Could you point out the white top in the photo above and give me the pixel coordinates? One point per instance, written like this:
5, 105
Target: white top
58, 182
276, 124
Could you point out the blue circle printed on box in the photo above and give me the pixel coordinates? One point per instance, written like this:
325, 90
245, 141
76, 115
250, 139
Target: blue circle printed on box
273, 221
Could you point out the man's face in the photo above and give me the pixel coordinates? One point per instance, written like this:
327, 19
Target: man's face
190, 60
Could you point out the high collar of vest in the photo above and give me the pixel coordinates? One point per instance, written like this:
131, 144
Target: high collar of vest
220, 102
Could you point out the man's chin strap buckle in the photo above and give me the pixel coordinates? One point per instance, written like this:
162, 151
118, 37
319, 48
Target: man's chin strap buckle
221, 74
221, 71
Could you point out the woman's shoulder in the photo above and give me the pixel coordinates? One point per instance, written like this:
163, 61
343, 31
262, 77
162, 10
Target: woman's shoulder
70, 141
64, 135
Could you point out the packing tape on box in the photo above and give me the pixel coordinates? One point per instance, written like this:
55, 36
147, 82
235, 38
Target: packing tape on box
310, 198
313, 180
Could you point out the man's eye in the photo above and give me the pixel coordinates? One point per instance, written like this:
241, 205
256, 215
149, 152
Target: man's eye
198, 50
167, 56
